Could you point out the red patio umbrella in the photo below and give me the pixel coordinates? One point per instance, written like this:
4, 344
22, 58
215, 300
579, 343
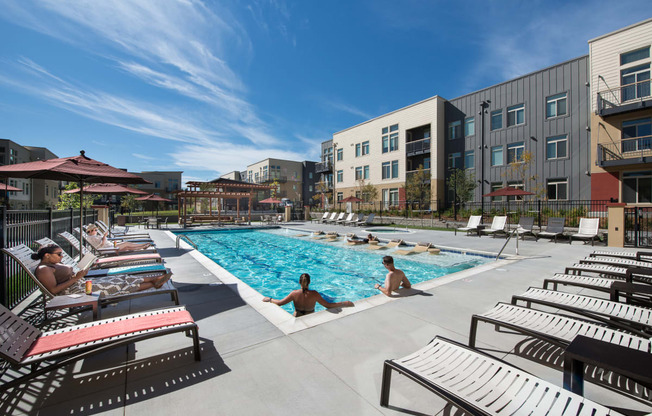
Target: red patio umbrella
9, 188
153, 198
351, 199
107, 188
270, 201
80, 169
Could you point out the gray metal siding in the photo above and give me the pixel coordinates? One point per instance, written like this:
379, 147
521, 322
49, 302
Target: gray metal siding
532, 91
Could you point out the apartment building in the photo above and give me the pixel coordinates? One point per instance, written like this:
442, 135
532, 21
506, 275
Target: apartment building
621, 116
163, 183
296, 180
37, 193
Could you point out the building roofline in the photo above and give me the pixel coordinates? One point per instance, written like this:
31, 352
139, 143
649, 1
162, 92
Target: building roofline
520, 77
386, 114
620, 30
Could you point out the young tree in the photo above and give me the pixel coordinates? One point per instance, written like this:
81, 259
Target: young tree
67, 201
129, 203
462, 183
417, 187
368, 192
519, 171
323, 192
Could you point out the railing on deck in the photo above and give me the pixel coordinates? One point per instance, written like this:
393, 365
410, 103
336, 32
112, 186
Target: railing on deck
631, 148
24, 227
625, 94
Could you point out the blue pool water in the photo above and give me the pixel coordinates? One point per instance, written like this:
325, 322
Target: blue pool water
271, 261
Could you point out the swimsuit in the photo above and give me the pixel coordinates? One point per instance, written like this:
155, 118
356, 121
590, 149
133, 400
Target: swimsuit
301, 313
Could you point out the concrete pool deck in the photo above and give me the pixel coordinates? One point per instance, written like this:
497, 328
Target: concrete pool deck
250, 366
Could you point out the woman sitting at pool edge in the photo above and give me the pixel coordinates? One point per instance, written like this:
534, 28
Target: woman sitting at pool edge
304, 299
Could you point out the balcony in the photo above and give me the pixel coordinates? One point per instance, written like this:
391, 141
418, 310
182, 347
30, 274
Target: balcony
630, 97
625, 152
272, 178
417, 147
324, 167
411, 173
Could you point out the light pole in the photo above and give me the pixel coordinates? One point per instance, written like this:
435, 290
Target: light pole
483, 110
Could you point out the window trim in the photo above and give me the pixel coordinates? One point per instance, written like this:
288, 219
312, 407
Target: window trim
516, 109
502, 152
515, 145
557, 139
492, 114
556, 182
556, 101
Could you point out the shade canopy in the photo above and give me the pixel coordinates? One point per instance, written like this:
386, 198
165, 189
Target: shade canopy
107, 188
351, 199
9, 188
270, 201
152, 197
509, 191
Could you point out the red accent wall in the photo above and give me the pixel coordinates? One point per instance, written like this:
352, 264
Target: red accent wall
604, 185
401, 198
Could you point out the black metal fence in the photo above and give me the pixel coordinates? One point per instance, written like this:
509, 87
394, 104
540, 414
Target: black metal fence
638, 227
24, 227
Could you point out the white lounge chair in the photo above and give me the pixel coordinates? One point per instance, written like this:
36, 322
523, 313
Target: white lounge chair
336, 220
588, 230
483, 385
472, 225
331, 218
323, 217
367, 221
617, 261
497, 226
344, 221
355, 220
634, 255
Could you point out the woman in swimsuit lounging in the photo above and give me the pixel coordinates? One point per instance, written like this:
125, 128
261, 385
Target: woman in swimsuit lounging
304, 299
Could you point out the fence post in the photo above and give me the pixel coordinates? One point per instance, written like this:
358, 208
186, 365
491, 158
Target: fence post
3, 268
50, 225
72, 225
539, 212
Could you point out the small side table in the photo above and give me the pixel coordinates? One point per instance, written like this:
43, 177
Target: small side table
65, 301
479, 229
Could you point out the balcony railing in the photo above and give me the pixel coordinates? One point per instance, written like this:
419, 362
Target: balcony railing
624, 98
324, 167
410, 173
625, 152
417, 147
272, 178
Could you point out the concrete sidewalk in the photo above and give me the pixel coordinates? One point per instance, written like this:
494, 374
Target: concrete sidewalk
249, 366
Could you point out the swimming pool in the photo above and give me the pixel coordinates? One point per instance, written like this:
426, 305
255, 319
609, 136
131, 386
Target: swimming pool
271, 261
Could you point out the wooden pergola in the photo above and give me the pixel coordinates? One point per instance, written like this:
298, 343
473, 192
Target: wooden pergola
219, 189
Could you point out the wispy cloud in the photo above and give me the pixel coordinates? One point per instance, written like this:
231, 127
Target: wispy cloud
347, 108
143, 157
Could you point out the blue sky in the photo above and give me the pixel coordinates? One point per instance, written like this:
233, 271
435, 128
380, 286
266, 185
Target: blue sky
209, 86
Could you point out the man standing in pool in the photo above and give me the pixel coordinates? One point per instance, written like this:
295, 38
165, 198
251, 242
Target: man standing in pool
395, 278
305, 299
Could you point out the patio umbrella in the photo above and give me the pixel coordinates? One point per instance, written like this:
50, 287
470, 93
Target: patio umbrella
80, 169
270, 201
153, 198
108, 189
8, 188
351, 199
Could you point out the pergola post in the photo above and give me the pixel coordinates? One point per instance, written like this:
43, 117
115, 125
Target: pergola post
250, 208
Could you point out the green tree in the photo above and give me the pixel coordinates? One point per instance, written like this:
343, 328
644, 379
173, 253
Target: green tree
417, 187
67, 201
129, 203
275, 191
520, 171
368, 192
323, 192
462, 183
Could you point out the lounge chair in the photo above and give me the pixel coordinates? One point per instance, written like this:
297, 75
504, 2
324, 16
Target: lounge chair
104, 253
525, 227
419, 248
323, 217
617, 261
637, 255
480, 384
472, 225
24, 345
344, 221
391, 244
497, 226
588, 230
368, 221
554, 229
22, 255
335, 220
331, 218
631, 318
355, 220
104, 228
556, 329
107, 251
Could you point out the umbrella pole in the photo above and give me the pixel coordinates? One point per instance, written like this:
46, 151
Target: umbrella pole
81, 218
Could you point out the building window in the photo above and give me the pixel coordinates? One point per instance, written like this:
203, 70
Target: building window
357, 150
497, 156
393, 142
633, 56
365, 148
394, 169
393, 197
469, 127
309, 175
496, 119
47, 190
340, 154
635, 82
386, 170
637, 187
393, 127
365, 172
517, 185
454, 160
494, 187
426, 163
469, 159
556, 147
340, 176
516, 115
340, 196
309, 188
637, 134
557, 189
515, 152
358, 173
454, 129
556, 105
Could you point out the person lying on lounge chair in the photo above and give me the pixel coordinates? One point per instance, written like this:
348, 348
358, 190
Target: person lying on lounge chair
100, 241
304, 299
60, 279
356, 240
394, 279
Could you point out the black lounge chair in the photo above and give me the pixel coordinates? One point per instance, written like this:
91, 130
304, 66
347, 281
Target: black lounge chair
554, 229
525, 227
